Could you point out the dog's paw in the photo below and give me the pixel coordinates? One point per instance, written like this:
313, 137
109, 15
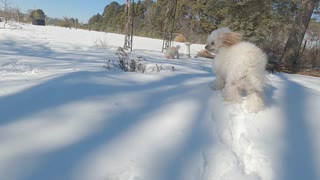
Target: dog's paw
253, 104
251, 109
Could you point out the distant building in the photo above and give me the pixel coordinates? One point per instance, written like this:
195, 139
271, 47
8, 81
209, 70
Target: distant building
39, 22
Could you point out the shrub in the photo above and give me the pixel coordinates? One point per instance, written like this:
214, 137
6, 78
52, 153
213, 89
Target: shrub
180, 38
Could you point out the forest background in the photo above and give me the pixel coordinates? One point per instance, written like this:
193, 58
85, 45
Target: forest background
267, 23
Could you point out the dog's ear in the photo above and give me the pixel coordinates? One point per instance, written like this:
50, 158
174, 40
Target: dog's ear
230, 38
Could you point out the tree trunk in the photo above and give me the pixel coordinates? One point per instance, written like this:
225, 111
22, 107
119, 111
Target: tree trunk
290, 57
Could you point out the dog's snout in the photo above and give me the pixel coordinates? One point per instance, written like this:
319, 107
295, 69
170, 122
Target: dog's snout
207, 47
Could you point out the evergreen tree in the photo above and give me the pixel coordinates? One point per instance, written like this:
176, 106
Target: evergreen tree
110, 13
95, 22
37, 15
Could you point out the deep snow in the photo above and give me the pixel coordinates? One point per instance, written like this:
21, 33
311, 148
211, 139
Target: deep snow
63, 116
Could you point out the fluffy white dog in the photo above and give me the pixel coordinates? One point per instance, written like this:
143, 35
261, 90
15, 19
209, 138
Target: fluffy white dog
172, 52
239, 68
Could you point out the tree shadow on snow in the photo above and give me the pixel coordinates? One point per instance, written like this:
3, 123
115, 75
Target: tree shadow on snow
298, 158
59, 162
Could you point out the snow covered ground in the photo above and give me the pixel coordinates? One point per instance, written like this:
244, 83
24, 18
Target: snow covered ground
63, 116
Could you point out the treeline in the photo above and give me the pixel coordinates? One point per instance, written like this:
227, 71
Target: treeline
267, 23
14, 14
256, 19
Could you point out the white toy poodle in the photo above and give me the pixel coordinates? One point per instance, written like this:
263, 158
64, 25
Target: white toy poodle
239, 67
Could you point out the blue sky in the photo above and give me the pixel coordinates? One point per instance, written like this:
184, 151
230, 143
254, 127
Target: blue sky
81, 9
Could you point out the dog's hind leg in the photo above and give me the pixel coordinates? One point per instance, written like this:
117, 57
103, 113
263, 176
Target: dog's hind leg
257, 81
254, 102
231, 92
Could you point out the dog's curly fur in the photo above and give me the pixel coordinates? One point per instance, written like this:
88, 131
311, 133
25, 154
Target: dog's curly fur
172, 52
239, 67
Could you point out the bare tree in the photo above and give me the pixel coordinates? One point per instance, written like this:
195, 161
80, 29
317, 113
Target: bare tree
15, 14
6, 13
76, 22
292, 51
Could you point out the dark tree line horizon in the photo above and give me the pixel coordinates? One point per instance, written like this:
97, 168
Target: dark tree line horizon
268, 23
